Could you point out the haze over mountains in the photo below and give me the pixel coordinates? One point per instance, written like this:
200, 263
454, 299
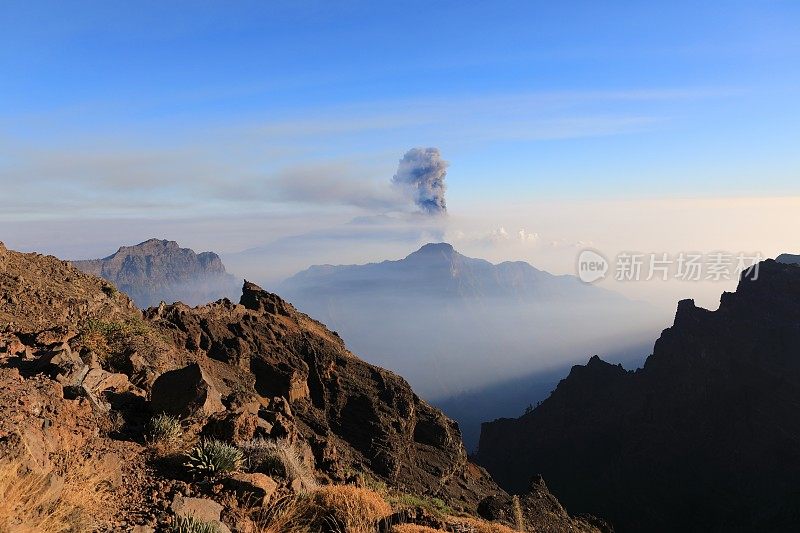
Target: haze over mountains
434, 311
454, 326
160, 270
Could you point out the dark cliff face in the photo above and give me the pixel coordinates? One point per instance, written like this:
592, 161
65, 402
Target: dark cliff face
705, 437
159, 270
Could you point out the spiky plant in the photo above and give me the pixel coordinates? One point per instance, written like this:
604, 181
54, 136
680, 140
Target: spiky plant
190, 524
164, 430
211, 457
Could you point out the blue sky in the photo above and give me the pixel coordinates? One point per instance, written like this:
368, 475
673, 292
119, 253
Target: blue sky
173, 110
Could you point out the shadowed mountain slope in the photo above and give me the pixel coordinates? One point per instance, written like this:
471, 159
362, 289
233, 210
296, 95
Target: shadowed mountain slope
705, 437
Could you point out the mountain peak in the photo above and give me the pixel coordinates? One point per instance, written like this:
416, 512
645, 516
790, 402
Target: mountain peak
151, 244
433, 248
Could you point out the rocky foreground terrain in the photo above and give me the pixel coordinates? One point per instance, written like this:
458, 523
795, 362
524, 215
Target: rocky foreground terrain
157, 270
248, 417
705, 437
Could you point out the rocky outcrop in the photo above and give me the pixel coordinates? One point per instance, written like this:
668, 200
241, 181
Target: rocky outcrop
539, 511
160, 270
355, 416
703, 438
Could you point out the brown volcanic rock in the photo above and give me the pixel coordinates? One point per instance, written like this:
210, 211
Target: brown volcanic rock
356, 416
703, 438
77, 361
160, 270
43, 294
185, 392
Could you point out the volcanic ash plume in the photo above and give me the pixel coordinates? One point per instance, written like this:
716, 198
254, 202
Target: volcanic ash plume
421, 172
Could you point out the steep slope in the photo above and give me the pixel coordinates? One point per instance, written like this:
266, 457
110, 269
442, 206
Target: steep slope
159, 270
82, 370
357, 417
705, 437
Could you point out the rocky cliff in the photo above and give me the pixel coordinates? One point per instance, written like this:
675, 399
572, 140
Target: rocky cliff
160, 270
82, 371
705, 437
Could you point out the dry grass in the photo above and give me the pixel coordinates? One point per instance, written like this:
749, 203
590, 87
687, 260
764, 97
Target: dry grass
48, 503
352, 509
349, 509
288, 514
413, 528
479, 526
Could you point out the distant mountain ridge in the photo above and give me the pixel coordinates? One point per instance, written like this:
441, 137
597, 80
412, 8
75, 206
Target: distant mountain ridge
437, 269
160, 270
705, 437
453, 324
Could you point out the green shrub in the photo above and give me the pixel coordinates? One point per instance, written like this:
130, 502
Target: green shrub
164, 430
434, 506
110, 290
191, 524
212, 457
110, 341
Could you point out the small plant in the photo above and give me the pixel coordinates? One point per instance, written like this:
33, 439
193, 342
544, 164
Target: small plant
110, 290
278, 458
190, 524
519, 519
110, 340
212, 457
164, 430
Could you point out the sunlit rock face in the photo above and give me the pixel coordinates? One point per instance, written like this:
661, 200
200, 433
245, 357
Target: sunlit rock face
159, 270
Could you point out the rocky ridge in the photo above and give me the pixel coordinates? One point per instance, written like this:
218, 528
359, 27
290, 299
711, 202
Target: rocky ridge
82, 371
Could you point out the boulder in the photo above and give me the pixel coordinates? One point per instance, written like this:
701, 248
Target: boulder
254, 488
200, 509
186, 392
98, 380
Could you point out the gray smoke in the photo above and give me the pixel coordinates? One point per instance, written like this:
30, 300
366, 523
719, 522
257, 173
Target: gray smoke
421, 172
